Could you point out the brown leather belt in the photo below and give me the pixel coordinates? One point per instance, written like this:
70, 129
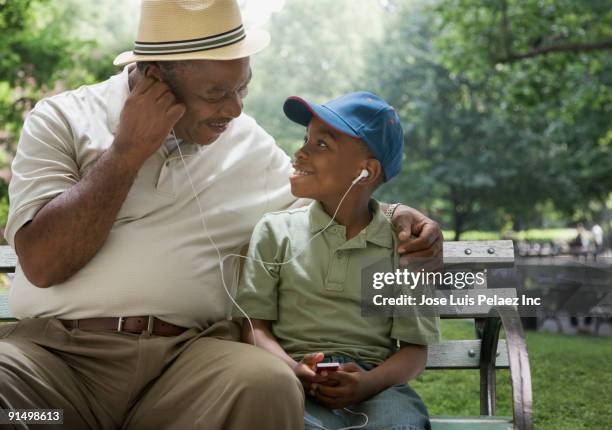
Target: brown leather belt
145, 325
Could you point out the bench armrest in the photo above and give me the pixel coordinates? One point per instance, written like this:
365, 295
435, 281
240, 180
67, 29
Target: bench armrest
508, 318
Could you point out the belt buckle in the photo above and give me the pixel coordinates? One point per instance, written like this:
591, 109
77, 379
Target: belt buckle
150, 322
120, 324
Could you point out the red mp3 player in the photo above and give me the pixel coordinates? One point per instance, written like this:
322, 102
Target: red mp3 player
329, 367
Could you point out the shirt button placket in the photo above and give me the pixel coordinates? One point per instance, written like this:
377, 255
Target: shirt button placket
337, 271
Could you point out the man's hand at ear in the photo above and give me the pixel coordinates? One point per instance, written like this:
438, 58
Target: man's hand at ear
148, 116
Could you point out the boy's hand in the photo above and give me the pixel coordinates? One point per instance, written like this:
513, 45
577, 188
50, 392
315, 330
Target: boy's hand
352, 385
305, 371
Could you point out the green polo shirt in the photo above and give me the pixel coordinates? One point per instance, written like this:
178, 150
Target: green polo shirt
314, 301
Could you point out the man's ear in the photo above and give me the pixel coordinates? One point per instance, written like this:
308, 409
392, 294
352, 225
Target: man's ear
153, 71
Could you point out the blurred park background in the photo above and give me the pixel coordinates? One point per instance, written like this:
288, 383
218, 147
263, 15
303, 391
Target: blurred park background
507, 112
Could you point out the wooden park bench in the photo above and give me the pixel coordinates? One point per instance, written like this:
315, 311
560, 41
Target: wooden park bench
487, 352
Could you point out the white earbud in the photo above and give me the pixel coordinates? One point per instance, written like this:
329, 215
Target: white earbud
364, 174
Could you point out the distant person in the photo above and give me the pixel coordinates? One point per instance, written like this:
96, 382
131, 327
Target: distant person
598, 239
580, 244
308, 310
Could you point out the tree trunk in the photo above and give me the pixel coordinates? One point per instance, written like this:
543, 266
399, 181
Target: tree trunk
458, 215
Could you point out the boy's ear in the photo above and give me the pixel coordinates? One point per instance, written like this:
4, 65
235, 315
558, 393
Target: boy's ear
375, 172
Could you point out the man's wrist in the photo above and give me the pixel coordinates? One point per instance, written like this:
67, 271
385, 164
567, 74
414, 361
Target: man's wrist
123, 161
390, 210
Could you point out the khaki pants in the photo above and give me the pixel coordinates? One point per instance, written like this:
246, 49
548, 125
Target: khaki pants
109, 380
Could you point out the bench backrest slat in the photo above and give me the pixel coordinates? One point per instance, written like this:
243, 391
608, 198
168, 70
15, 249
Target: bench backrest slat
462, 354
4, 310
486, 253
479, 253
8, 259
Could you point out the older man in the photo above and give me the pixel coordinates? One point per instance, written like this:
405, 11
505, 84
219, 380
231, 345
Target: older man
121, 208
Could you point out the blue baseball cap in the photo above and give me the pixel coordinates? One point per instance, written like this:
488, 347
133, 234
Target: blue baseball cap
362, 115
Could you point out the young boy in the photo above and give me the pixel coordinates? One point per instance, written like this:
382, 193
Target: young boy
309, 309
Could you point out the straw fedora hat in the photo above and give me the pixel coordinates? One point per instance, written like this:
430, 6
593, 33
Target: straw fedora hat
192, 30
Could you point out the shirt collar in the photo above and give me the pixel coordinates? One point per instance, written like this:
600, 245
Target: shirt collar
379, 232
117, 94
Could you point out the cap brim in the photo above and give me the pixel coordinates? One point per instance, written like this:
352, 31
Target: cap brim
299, 110
256, 40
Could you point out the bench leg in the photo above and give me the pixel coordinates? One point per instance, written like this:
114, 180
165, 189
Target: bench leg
490, 337
508, 318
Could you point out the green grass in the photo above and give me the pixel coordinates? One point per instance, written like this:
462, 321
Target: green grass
571, 380
472, 235
535, 234
4, 283
541, 235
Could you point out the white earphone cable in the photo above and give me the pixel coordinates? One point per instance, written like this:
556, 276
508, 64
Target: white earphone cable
222, 259
343, 428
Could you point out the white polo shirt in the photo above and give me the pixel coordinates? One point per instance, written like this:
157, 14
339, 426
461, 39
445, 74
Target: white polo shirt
157, 259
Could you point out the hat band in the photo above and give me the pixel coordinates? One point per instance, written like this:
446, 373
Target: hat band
202, 44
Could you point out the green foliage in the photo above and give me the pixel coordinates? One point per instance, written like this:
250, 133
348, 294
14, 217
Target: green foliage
47, 47
44, 51
560, 100
492, 139
4, 203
